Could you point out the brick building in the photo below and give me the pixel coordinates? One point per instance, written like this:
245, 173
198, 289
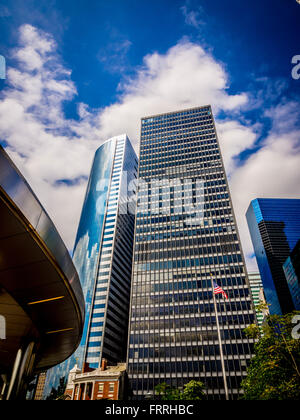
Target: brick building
107, 382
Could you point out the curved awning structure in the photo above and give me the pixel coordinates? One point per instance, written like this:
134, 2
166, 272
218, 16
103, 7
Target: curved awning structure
41, 299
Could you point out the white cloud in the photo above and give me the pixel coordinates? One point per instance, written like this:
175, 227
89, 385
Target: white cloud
113, 54
234, 139
184, 77
193, 17
33, 125
49, 148
271, 172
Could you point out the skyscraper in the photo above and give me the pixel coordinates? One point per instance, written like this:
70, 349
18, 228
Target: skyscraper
103, 252
291, 269
185, 237
258, 296
103, 257
274, 226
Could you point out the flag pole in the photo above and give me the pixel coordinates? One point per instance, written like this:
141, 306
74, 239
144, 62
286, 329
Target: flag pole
219, 339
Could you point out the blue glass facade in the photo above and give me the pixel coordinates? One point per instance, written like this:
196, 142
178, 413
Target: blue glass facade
291, 269
274, 226
87, 243
103, 257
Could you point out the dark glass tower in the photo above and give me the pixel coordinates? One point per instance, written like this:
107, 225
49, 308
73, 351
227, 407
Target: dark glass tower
291, 269
185, 235
274, 226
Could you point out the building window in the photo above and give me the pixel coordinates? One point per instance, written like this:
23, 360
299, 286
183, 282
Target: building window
89, 388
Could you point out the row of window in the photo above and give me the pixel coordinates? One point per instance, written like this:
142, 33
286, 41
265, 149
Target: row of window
174, 142
167, 236
214, 384
232, 307
168, 131
188, 262
207, 366
185, 143
213, 173
179, 159
238, 269
165, 220
187, 232
177, 282
164, 352
174, 253
168, 147
182, 199
168, 153
189, 189
199, 351
190, 297
148, 225
211, 214
175, 115
229, 319
173, 122
168, 134
181, 323
167, 187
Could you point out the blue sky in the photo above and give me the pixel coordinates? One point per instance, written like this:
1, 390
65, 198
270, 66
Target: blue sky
81, 71
256, 39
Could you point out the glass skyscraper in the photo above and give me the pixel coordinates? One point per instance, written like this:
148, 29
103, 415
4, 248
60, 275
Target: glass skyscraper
274, 226
291, 269
185, 236
103, 257
103, 252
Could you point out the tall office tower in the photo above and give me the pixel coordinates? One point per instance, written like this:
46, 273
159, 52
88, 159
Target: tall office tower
103, 257
274, 226
258, 295
185, 237
103, 252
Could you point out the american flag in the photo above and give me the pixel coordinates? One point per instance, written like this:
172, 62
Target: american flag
218, 289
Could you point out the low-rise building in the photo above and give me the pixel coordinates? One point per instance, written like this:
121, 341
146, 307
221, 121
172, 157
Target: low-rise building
107, 382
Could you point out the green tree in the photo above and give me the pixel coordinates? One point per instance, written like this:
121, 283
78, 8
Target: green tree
166, 392
193, 390
273, 373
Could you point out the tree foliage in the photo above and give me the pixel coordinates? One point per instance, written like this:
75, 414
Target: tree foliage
273, 373
193, 390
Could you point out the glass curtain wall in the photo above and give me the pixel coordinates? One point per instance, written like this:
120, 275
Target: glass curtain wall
185, 236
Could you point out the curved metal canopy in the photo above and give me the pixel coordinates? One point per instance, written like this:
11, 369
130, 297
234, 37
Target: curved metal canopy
40, 293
